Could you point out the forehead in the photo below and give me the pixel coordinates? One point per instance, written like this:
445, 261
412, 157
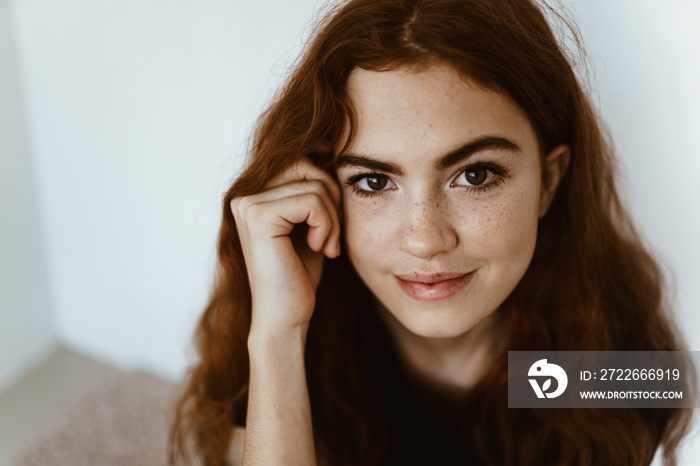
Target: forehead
432, 111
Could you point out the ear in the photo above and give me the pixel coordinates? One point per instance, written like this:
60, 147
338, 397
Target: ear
555, 165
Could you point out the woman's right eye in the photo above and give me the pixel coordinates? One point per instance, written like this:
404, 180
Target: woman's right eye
373, 182
369, 185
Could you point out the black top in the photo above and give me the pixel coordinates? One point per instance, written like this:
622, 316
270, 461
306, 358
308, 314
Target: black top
427, 428
424, 427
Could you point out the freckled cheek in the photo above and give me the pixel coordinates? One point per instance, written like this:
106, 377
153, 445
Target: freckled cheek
506, 227
367, 225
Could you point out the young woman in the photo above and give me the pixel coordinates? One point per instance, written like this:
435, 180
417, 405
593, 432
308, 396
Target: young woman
430, 189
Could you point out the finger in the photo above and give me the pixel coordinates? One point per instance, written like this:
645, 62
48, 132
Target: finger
303, 170
331, 246
324, 228
278, 217
319, 220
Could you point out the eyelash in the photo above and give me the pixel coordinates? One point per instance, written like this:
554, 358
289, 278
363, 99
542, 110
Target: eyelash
499, 173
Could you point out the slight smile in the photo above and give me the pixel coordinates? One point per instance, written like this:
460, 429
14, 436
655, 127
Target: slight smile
433, 287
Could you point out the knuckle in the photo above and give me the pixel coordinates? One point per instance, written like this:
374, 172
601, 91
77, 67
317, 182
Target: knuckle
254, 214
314, 198
307, 169
297, 172
305, 162
309, 201
235, 202
235, 206
241, 204
316, 186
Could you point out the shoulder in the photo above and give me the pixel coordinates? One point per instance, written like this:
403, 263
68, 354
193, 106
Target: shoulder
235, 454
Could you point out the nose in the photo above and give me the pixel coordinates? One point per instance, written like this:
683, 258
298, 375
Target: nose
427, 230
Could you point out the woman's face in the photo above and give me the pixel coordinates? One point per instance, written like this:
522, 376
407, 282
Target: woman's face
441, 196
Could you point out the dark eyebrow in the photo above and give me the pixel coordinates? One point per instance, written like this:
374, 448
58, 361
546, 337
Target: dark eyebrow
448, 160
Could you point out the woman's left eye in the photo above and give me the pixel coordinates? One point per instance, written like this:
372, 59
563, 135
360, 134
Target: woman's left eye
480, 176
474, 177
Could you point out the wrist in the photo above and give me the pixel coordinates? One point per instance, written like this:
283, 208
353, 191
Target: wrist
269, 340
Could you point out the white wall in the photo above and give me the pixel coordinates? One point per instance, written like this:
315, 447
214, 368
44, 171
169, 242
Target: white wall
647, 64
647, 68
26, 325
139, 111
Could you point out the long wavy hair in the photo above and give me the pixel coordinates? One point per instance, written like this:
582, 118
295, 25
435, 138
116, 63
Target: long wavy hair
591, 285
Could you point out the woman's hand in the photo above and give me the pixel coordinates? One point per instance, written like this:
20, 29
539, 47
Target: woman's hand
285, 231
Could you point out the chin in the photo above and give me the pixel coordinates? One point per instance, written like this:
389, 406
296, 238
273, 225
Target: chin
438, 332
436, 323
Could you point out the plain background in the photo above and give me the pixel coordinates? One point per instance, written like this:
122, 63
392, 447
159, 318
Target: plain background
122, 122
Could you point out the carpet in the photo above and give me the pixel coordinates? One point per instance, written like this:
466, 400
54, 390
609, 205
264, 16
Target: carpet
123, 421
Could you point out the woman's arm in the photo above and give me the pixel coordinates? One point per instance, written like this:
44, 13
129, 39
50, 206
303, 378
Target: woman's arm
284, 271
278, 423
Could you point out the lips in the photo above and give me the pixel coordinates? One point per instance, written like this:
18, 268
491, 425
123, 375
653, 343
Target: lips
433, 287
